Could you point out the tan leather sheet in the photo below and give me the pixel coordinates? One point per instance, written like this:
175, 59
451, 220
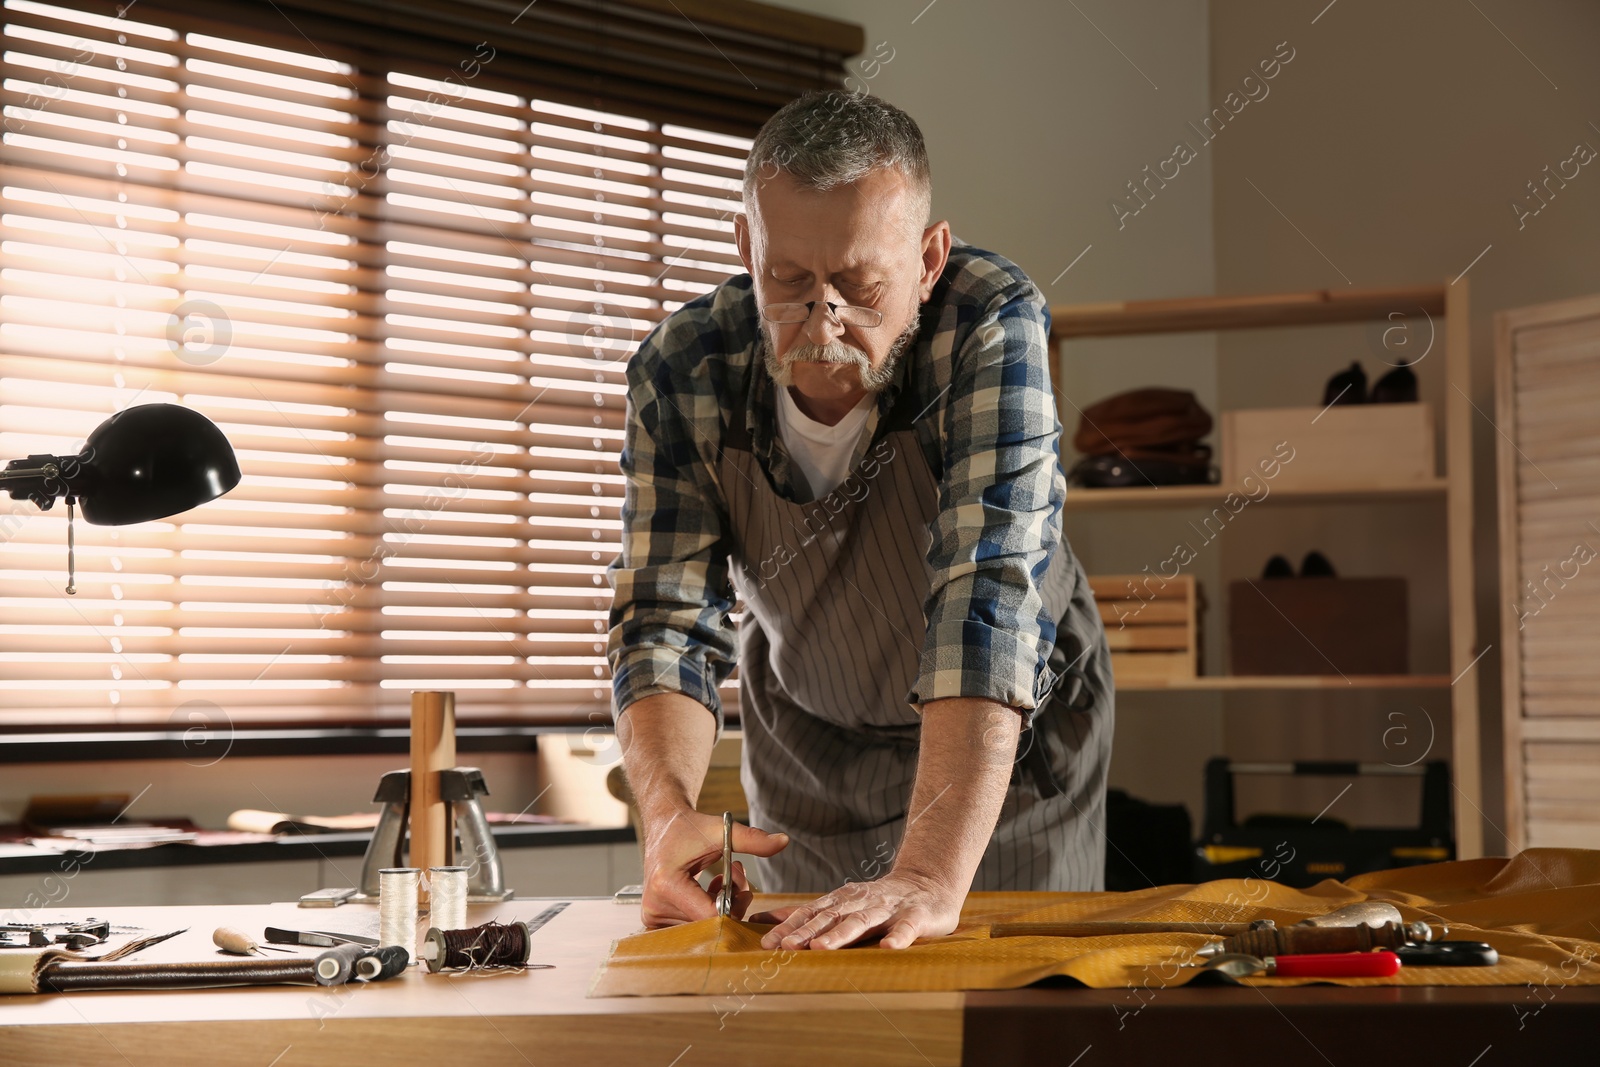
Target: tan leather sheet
1540, 910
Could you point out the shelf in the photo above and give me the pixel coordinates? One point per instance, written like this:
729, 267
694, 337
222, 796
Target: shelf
1445, 305
1223, 682
1242, 312
1212, 495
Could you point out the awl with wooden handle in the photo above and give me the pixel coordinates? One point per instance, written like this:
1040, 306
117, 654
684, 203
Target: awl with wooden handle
1298, 940
1370, 913
1113, 929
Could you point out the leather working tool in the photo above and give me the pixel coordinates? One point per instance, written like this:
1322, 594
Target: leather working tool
460, 788
1291, 940
74, 935
316, 938
1370, 913
1114, 929
238, 943
1449, 954
1332, 965
725, 894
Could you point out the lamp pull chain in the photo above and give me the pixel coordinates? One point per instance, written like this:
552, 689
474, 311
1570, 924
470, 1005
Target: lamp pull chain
71, 560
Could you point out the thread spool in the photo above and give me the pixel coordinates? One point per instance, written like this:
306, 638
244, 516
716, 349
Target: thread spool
447, 896
490, 945
398, 888
337, 964
380, 963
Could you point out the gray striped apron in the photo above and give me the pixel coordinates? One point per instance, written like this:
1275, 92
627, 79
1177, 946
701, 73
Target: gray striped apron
828, 650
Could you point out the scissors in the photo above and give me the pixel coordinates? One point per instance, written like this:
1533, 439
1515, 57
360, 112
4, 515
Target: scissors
725, 895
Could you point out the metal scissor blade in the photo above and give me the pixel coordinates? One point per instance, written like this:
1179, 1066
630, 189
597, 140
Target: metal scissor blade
353, 939
725, 896
316, 938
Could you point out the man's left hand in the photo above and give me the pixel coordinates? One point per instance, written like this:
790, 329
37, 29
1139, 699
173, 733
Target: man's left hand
900, 906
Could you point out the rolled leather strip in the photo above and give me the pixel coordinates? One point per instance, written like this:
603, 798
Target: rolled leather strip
68, 977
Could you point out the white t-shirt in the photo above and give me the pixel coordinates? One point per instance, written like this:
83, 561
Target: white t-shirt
822, 452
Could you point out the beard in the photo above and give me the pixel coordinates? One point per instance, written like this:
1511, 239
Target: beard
873, 379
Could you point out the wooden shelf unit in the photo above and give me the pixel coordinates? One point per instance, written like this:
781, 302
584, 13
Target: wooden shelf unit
1448, 302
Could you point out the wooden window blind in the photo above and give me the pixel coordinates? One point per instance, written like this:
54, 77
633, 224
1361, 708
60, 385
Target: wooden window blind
404, 278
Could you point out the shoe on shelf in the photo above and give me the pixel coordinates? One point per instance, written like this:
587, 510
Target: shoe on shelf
1316, 565
1346, 387
1278, 567
1399, 386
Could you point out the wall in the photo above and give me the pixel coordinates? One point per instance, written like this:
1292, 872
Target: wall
1036, 114
1392, 149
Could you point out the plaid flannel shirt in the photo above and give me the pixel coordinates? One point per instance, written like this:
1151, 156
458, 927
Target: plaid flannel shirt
979, 369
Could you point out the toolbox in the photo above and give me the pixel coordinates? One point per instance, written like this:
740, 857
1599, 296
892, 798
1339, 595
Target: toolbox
1301, 851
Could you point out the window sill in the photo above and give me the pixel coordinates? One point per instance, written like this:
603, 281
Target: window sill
291, 847
66, 746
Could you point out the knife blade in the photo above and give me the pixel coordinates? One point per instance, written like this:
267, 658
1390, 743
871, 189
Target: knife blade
725, 893
317, 938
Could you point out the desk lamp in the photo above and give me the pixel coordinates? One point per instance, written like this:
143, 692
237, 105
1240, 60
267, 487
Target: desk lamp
143, 463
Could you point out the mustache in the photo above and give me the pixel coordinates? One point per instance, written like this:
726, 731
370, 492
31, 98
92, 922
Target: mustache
832, 352
838, 353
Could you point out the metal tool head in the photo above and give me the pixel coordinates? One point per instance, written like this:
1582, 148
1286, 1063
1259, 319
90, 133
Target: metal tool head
1449, 954
1234, 964
725, 896
1365, 913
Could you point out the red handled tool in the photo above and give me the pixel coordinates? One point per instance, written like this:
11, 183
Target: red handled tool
1383, 964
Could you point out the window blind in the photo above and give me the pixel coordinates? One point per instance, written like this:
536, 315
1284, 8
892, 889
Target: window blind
405, 291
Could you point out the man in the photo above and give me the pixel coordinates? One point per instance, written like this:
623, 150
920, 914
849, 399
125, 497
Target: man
857, 437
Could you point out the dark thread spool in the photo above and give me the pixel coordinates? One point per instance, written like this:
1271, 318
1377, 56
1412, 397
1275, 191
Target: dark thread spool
381, 963
490, 945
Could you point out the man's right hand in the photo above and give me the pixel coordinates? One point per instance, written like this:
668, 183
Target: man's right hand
682, 846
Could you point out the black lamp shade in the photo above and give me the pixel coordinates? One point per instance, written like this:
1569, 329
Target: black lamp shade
151, 461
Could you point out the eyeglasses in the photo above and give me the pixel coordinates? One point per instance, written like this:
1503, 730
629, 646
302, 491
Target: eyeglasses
848, 314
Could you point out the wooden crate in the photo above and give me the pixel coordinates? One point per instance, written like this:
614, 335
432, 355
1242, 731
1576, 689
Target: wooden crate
1150, 625
1356, 446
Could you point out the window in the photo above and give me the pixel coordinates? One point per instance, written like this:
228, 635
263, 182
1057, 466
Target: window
407, 299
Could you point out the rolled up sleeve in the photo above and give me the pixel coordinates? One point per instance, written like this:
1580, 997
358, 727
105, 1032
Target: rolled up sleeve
999, 523
671, 595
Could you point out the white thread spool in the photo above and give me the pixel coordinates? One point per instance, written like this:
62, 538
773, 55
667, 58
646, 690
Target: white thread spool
447, 894
397, 907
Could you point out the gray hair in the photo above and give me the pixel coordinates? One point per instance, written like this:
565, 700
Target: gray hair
828, 138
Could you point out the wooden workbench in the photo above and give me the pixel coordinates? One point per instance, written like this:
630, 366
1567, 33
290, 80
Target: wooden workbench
544, 1017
